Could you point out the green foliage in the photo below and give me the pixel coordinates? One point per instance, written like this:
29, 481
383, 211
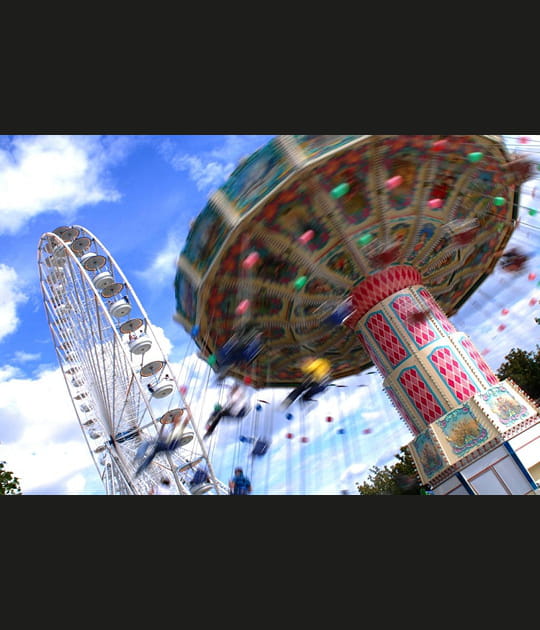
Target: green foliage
401, 478
9, 484
524, 369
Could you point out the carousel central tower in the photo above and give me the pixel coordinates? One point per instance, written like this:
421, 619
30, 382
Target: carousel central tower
454, 405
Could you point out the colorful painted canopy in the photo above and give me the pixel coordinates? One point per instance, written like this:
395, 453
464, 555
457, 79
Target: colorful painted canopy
306, 218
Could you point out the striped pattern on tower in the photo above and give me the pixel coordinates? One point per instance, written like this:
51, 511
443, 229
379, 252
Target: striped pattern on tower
429, 368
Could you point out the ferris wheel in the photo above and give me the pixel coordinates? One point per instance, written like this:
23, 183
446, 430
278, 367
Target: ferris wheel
120, 381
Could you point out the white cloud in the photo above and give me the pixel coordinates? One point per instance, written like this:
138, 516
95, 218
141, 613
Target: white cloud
205, 174
353, 474
10, 297
25, 357
163, 268
62, 173
210, 169
76, 484
8, 372
165, 346
42, 442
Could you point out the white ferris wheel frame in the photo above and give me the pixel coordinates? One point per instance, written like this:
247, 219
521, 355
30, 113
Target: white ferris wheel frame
106, 388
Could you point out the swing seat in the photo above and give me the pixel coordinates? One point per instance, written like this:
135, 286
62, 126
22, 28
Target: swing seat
293, 395
339, 315
241, 414
260, 447
251, 352
141, 451
200, 476
124, 436
237, 350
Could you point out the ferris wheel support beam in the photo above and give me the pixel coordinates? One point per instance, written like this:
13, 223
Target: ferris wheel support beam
122, 466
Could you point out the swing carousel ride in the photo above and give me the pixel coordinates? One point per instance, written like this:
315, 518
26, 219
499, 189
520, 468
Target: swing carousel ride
402, 229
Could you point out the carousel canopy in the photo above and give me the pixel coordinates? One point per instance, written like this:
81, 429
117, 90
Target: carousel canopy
305, 219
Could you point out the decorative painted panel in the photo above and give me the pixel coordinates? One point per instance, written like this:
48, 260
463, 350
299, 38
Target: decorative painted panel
317, 145
206, 237
340, 262
428, 454
290, 214
462, 430
258, 174
347, 168
421, 394
479, 361
386, 337
453, 373
419, 329
504, 406
436, 310
186, 297
402, 163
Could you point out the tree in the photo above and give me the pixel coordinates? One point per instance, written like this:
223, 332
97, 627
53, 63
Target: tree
523, 367
9, 484
401, 478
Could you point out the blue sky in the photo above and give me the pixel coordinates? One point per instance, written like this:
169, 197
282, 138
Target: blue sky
138, 195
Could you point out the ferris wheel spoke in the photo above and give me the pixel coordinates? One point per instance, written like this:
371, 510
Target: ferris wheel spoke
127, 402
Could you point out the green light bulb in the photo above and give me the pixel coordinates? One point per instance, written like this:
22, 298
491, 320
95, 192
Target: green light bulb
340, 190
300, 283
475, 157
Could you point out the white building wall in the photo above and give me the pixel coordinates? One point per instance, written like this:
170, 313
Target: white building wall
527, 446
459, 490
496, 473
